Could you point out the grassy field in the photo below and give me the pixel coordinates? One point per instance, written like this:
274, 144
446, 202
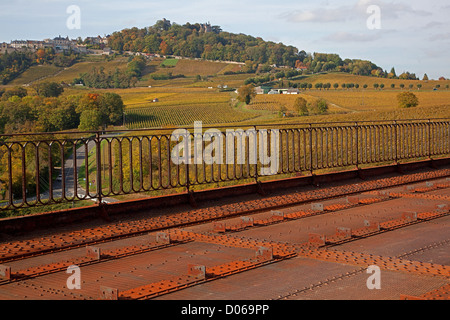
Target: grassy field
169, 63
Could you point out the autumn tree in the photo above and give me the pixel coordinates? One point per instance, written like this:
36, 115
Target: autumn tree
164, 48
246, 93
392, 74
40, 55
407, 100
104, 109
318, 106
301, 106
49, 89
136, 66
90, 120
111, 108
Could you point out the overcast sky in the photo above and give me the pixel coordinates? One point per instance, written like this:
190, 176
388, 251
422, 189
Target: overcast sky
411, 36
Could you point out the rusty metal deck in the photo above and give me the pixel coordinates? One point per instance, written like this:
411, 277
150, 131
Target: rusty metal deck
315, 244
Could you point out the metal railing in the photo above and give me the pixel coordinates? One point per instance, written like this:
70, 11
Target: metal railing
39, 170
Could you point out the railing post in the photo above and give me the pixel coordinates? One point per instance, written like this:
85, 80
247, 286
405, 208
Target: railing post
10, 174
98, 156
429, 139
396, 142
357, 145
310, 150
24, 175
256, 155
188, 159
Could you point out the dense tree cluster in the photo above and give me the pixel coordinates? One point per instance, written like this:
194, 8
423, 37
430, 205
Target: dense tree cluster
14, 63
190, 41
407, 100
21, 113
324, 62
49, 89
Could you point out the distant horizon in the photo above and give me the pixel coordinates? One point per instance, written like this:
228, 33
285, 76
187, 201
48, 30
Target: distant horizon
412, 36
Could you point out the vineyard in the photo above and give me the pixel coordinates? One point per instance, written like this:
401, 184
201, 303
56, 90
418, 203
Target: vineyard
370, 100
343, 78
175, 106
274, 103
162, 116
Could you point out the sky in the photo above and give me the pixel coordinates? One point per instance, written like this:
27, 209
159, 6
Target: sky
411, 36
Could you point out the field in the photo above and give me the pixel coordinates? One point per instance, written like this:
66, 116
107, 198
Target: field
196, 96
179, 106
274, 103
169, 63
69, 74
199, 67
171, 96
164, 116
341, 78
370, 100
36, 73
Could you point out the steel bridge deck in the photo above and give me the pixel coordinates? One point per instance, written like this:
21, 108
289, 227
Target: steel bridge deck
307, 243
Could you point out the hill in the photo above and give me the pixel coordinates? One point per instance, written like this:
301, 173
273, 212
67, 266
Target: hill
212, 43
194, 41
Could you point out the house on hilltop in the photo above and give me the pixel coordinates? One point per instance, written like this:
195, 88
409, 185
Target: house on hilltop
27, 44
6, 48
205, 28
97, 40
